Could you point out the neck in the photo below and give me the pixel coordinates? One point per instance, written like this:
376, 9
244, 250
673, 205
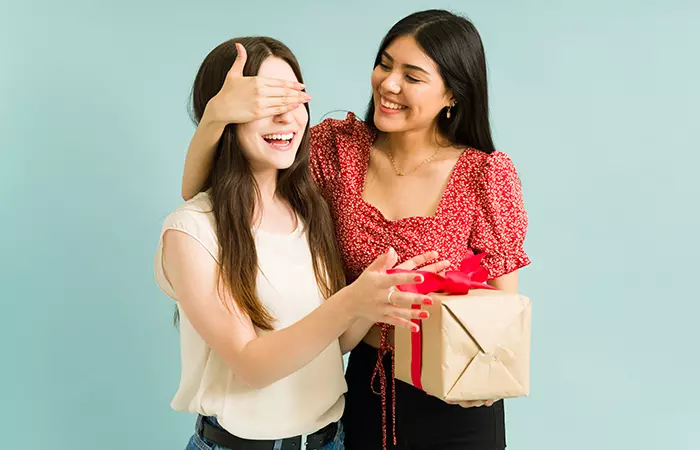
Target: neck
412, 145
267, 185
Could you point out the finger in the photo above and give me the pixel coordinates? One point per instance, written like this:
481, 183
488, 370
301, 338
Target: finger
268, 101
276, 82
471, 404
276, 110
437, 267
396, 279
463, 403
489, 402
279, 91
400, 323
407, 299
384, 262
238, 65
407, 313
417, 261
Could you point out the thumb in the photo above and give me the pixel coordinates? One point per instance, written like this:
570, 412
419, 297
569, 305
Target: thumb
384, 261
238, 65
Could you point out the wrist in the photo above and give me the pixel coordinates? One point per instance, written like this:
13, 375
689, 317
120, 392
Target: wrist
344, 303
210, 117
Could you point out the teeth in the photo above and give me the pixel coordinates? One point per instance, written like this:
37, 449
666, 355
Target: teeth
279, 137
390, 105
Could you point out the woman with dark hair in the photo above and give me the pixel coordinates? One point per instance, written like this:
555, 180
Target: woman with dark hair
253, 265
420, 173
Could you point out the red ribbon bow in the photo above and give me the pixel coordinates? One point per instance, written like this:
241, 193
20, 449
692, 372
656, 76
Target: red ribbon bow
455, 282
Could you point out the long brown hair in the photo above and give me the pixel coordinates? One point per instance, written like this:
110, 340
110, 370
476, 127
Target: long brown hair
234, 190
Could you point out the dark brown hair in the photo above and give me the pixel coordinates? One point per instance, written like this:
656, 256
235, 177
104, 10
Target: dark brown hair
453, 42
234, 191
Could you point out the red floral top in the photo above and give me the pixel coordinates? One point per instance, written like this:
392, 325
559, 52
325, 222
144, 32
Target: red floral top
481, 208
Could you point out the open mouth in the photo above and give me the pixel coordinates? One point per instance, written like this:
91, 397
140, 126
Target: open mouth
390, 107
279, 141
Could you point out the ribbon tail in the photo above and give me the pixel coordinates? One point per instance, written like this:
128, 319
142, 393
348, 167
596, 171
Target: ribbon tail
417, 353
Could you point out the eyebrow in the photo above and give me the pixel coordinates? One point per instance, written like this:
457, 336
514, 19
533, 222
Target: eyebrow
407, 66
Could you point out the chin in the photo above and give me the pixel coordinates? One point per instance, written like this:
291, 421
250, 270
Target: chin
285, 161
387, 125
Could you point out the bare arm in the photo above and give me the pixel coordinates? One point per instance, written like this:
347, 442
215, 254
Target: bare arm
261, 360
350, 338
506, 283
200, 156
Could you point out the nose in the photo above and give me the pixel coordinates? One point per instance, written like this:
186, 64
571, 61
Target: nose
285, 117
391, 83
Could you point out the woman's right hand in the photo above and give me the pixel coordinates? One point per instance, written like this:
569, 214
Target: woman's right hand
244, 99
373, 295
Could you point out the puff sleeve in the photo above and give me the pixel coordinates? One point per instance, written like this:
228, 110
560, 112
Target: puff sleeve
501, 221
323, 156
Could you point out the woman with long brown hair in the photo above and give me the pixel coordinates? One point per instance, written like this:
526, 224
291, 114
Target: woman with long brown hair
260, 288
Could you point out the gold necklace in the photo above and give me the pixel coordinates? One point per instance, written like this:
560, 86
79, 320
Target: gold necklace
403, 174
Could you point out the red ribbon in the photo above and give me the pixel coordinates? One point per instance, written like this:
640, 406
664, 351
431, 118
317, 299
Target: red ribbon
455, 282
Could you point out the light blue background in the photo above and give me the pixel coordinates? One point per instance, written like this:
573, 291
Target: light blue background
595, 101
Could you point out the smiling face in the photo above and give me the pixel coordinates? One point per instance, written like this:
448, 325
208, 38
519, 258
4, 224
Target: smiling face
408, 91
271, 143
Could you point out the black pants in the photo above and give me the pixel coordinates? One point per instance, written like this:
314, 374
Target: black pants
423, 422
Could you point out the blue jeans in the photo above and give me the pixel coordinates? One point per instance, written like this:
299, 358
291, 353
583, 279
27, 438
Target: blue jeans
199, 443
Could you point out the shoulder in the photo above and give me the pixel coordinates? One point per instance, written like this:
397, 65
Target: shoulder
197, 209
336, 145
489, 168
196, 219
350, 128
496, 161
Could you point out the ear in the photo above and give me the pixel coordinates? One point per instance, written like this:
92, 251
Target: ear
450, 99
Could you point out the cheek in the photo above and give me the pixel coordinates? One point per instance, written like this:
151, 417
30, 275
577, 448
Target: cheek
427, 101
246, 134
301, 116
377, 78
248, 139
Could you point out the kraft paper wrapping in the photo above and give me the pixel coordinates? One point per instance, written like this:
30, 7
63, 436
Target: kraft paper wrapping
473, 347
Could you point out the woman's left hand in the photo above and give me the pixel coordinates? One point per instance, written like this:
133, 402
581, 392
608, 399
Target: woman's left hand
472, 403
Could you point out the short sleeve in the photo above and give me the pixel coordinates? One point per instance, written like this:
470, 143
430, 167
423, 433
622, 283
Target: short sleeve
501, 221
323, 156
195, 219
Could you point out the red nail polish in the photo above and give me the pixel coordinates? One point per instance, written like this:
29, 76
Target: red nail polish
415, 329
418, 278
423, 315
427, 301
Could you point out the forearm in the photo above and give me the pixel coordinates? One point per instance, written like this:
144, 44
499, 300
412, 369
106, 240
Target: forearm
354, 334
275, 355
200, 157
506, 283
